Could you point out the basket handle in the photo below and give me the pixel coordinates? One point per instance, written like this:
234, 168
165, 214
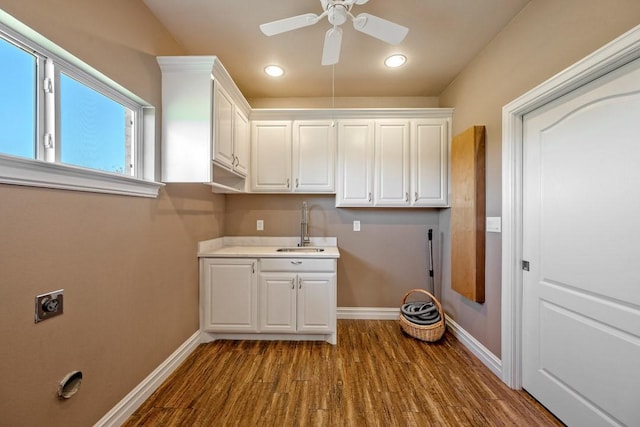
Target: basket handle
433, 298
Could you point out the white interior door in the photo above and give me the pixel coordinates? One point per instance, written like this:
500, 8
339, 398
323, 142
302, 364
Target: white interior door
581, 236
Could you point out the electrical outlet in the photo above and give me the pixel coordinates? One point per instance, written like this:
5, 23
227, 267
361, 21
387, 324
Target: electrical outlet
49, 305
356, 225
259, 225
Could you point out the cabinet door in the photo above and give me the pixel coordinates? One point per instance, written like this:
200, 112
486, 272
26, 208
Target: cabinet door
392, 150
223, 127
429, 156
271, 156
229, 295
355, 163
314, 144
316, 302
241, 142
278, 302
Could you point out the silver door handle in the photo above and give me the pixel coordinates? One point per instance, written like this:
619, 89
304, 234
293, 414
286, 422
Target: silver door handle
296, 262
369, 195
406, 196
416, 196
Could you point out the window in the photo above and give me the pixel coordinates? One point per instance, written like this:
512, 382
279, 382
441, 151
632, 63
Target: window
17, 101
95, 131
65, 125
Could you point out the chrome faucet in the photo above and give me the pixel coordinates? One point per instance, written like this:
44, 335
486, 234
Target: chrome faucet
304, 226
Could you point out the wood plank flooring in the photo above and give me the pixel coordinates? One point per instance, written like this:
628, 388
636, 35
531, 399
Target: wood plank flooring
375, 376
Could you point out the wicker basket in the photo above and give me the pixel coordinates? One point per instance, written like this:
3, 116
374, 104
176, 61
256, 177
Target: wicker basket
428, 333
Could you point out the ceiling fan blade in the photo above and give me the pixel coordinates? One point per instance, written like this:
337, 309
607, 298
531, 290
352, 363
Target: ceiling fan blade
288, 24
379, 28
331, 50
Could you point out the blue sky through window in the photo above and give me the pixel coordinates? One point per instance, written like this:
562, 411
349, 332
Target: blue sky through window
92, 128
17, 101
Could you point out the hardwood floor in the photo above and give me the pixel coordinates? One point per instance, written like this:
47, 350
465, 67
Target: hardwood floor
375, 376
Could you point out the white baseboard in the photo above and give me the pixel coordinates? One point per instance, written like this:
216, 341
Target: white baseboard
371, 313
132, 401
489, 359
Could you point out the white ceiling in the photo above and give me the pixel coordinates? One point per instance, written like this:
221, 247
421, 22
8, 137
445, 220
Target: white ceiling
444, 36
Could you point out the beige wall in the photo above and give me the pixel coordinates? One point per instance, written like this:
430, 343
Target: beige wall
545, 38
377, 265
127, 264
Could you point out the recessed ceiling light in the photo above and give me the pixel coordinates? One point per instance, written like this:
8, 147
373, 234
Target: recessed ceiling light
273, 70
395, 61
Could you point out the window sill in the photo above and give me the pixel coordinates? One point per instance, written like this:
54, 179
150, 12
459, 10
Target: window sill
36, 173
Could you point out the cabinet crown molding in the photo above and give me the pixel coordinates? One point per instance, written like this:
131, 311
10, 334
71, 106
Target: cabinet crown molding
348, 113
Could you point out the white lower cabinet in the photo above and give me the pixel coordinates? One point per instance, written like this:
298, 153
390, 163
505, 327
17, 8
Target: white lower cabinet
291, 303
298, 295
274, 298
229, 295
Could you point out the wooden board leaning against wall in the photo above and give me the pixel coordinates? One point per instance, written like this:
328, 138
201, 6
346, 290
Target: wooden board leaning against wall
468, 213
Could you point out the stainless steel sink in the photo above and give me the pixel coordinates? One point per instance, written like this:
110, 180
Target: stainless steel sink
305, 249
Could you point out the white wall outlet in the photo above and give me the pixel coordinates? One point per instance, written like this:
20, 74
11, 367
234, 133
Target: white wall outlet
259, 225
494, 224
356, 225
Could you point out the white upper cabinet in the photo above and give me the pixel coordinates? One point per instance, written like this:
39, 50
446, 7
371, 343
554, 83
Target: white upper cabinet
355, 163
429, 162
241, 142
203, 134
271, 156
296, 156
393, 162
314, 152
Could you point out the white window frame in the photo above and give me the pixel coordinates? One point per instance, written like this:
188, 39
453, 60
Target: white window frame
45, 170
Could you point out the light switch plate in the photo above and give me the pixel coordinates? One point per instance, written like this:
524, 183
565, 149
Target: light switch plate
494, 224
259, 225
356, 225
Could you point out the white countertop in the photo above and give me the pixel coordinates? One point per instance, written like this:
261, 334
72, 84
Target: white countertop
265, 247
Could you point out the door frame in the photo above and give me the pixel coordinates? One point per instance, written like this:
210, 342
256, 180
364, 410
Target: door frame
613, 55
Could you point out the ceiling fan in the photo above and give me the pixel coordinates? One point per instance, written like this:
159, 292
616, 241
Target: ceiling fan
337, 13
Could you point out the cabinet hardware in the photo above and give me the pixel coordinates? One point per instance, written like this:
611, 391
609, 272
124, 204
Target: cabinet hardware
369, 196
253, 268
416, 196
287, 182
299, 283
406, 197
293, 286
296, 262
297, 183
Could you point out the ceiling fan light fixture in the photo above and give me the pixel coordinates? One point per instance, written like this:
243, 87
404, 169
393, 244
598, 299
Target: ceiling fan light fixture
274, 70
337, 14
395, 61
